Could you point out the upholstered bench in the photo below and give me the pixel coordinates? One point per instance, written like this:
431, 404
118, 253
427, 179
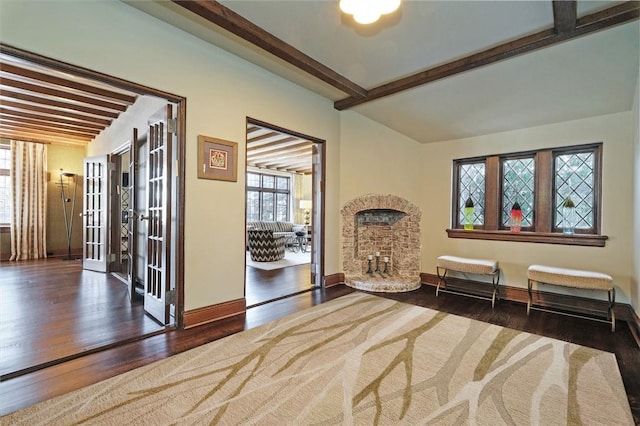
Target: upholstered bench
469, 266
576, 279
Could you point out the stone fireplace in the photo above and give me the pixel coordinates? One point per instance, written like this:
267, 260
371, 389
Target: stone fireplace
381, 227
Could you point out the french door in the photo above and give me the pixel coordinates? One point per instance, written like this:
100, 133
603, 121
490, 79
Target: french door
94, 213
157, 295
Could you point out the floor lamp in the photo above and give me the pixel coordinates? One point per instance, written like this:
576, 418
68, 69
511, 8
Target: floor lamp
68, 213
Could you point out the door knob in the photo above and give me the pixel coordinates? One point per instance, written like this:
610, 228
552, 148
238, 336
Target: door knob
143, 217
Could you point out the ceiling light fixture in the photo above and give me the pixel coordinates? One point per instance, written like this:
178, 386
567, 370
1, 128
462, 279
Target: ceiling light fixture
368, 11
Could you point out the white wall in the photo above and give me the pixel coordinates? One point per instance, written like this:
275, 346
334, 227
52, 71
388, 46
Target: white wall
222, 90
615, 258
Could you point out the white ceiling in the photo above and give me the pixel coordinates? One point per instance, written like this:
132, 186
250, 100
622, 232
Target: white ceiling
592, 75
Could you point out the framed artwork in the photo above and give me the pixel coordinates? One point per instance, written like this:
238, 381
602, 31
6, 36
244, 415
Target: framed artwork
217, 159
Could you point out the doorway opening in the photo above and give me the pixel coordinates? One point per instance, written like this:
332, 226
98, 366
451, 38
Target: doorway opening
284, 213
98, 310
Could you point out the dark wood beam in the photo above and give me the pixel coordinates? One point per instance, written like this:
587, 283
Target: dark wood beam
623, 13
63, 94
10, 94
225, 18
564, 15
94, 123
50, 111
38, 76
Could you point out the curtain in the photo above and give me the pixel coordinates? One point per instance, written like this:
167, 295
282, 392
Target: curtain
298, 215
28, 200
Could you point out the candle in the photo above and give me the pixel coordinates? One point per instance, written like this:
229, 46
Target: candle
370, 257
386, 259
377, 254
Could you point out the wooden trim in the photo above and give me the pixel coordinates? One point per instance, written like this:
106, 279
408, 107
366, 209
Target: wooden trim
334, 279
626, 12
634, 325
531, 237
564, 15
224, 17
213, 313
492, 194
582, 305
543, 213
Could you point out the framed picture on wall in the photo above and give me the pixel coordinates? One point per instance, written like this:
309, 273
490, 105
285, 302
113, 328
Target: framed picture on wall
217, 159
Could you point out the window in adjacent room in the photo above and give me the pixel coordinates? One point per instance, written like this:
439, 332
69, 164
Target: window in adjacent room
268, 197
5, 182
539, 182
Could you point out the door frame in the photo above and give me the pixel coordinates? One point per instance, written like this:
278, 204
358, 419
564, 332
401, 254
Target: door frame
318, 214
179, 172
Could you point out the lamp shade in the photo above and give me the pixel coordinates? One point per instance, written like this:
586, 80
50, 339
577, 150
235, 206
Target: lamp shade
306, 204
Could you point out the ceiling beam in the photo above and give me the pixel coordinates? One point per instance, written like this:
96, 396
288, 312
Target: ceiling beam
10, 94
38, 76
16, 121
53, 112
564, 15
64, 94
276, 148
224, 17
95, 123
27, 121
616, 15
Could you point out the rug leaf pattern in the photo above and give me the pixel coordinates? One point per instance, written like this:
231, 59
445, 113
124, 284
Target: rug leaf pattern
359, 359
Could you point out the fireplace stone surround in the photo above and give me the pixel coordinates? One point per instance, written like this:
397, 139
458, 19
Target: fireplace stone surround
387, 224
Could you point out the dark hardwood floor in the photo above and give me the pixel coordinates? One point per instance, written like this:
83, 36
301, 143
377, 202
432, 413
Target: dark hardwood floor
263, 286
52, 310
40, 385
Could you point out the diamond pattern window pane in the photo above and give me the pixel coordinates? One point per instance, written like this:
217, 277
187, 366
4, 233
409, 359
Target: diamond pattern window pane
574, 177
471, 184
518, 182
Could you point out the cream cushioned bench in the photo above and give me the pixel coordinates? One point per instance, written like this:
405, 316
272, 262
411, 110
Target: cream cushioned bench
573, 278
470, 266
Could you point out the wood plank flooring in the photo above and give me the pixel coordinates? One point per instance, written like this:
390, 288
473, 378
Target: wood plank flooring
51, 310
25, 390
263, 286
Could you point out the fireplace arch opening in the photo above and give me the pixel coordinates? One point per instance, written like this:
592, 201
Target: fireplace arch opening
381, 245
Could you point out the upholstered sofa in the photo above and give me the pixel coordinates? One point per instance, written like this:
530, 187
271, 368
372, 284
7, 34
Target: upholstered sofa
285, 229
264, 246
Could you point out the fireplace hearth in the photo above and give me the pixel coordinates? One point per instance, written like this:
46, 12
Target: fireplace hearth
381, 243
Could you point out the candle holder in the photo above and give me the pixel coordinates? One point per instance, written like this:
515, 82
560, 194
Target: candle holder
386, 266
377, 263
369, 271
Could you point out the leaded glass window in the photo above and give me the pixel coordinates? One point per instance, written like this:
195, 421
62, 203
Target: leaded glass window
471, 186
575, 178
518, 184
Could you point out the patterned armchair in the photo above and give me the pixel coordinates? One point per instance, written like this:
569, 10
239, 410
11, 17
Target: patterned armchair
264, 246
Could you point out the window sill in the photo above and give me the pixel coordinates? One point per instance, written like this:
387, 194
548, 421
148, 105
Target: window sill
531, 237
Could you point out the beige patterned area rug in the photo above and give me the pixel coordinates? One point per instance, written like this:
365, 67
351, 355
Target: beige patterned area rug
359, 359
